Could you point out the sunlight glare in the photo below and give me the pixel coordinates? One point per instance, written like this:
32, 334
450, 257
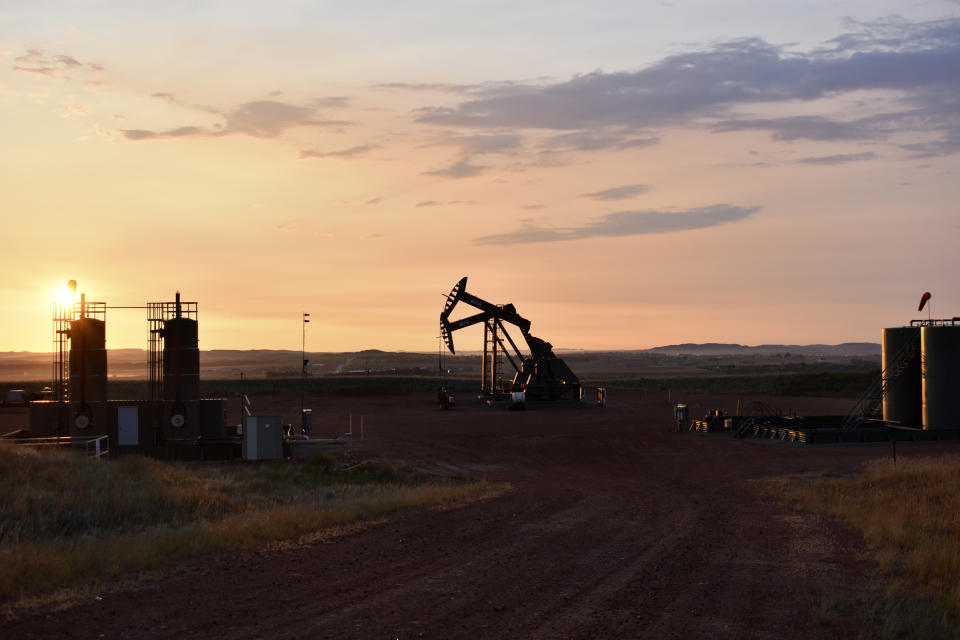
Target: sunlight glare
66, 295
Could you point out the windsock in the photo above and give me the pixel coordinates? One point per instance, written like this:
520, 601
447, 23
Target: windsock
923, 300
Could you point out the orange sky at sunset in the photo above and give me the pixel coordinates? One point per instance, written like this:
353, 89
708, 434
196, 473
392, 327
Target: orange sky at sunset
628, 174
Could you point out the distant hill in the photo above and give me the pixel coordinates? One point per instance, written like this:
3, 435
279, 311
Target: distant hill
689, 358
846, 349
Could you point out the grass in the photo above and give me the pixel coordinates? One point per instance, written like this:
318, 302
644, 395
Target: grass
69, 520
841, 384
909, 515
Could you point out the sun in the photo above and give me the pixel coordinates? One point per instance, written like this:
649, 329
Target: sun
66, 295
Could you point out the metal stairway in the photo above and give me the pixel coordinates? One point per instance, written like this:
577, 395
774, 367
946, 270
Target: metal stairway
872, 397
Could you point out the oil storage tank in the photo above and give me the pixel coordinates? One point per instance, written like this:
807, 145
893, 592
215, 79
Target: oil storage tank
181, 377
88, 377
902, 397
940, 350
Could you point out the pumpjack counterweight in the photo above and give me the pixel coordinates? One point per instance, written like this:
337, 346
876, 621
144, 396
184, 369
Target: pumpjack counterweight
540, 375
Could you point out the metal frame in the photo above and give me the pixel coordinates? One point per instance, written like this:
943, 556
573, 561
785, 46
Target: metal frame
157, 315
934, 322
63, 315
93, 446
540, 370
62, 318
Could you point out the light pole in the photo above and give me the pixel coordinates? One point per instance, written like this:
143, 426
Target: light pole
238, 371
440, 356
303, 361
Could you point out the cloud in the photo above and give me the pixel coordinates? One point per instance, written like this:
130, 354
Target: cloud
429, 87
599, 140
471, 146
269, 118
36, 61
618, 193
625, 223
947, 144
486, 143
179, 132
460, 169
434, 203
919, 62
840, 158
74, 107
50, 72
67, 61
342, 153
259, 119
804, 127
330, 102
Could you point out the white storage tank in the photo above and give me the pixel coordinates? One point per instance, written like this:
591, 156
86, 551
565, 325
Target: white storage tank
940, 351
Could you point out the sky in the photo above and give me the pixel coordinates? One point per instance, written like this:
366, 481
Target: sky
627, 174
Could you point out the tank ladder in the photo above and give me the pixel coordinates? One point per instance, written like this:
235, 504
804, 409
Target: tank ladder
872, 397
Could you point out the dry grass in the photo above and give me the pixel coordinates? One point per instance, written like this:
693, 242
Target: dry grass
68, 520
909, 515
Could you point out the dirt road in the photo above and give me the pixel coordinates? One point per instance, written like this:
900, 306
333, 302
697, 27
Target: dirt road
616, 527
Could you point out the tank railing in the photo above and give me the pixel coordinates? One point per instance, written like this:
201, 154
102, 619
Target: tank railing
86, 309
935, 322
93, 446
871, 398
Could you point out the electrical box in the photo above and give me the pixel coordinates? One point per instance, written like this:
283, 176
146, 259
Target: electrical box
262, 438
128, 426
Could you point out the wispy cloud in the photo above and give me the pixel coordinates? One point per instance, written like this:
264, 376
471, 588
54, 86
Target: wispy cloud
449, 203
618, 193
36, 61
625, 223
259, 119
460, 169
483, 144
342, 153
471, 146
74, 107
429, 87
616, 140
946, 144
179, 132
331, 102
803, 127
840, 158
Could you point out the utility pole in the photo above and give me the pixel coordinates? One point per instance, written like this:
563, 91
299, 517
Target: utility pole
303, 361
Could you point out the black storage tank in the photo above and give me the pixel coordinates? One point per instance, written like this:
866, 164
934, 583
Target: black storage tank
181, 376
88, 377
902, 400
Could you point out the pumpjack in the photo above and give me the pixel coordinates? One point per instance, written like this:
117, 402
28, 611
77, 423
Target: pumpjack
541, 375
